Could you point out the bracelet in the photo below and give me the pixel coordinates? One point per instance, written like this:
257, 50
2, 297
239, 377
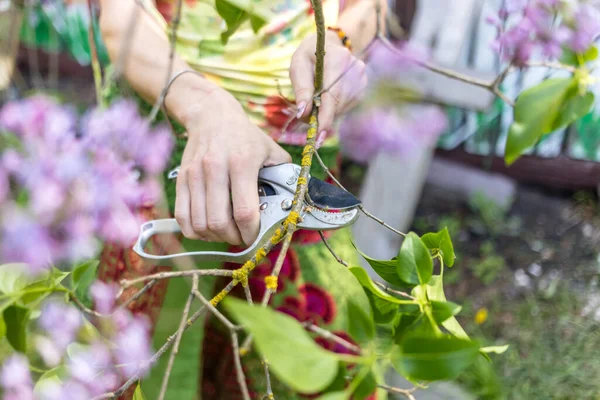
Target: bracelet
342, 35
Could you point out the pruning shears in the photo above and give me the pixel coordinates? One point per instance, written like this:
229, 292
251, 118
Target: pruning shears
326, 207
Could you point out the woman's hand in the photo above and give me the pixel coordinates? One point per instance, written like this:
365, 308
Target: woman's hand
343, 95
217, 190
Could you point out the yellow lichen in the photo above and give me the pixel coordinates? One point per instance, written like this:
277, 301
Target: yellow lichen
302, 181
306, 161
292, 218
276, 236
260, 254
271, 282
217, 299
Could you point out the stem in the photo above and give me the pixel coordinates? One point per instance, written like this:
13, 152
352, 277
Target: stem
94, 56
167, 275
408, 393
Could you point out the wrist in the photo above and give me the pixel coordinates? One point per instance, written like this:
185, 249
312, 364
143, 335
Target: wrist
189, 95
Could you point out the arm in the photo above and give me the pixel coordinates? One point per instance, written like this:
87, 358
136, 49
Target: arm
217, 194
359, 21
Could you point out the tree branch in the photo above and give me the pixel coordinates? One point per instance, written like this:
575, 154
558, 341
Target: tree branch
408, 393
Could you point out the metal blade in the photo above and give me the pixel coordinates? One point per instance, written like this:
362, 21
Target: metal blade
327, 196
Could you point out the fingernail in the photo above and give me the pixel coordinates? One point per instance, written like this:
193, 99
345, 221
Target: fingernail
301, 108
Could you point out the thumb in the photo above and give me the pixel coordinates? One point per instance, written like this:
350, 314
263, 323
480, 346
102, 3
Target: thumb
302, 77
277, 156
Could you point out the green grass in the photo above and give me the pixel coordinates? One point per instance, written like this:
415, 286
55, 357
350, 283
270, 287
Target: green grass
554, 352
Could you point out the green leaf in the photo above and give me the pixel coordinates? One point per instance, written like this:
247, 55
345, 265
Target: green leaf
368, 284
15, 277
16, 318
403, 324
83, 276
366, 387
433, 358
293, 355
574, 107
442, 310
441, 241
49, 379
383, 311
386, 269
138, 394
360, 325
536, 111
414, 257
2, 326
233, 17
435, 292
494, 349
569, 57
257, 23
334, 396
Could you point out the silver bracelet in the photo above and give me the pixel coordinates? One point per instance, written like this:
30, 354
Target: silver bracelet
177, 75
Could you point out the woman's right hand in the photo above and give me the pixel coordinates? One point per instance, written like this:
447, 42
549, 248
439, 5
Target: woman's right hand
217, 188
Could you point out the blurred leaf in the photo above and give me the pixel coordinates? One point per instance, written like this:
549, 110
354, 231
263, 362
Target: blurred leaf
414, 261
569, 57
536, 111
34, 291
442, 310
257, 23
383, 311
369, 285
442, 242
339, 382
293, 355
386, 269
360, 325
367, 387
574, 107
494, 349
14, 278
48, 380
16, 318
334, 396
233, 17
403, 324
2, 326
83, 276
435, 292
384, 339
433, 358
138, 394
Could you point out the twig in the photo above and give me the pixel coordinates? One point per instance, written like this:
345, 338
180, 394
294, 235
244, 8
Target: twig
394, 291
269, 394
238, 366
408, 393
175, 350
174, 25
138, 294
379, 220
338, 258
214, 310
331, 336
167, 275
94, 55
84, 308
154, 358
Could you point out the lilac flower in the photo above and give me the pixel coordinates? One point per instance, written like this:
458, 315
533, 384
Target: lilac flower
93, 368
366, 133
48, 350
133, 343
104, 295
385, 61
61, 322
63, 190
586, 27
15, 379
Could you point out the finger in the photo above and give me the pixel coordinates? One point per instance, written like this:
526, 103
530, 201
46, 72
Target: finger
197, 190
218, 204
277, 155
327, 111
302, 77
182, 206
244, 192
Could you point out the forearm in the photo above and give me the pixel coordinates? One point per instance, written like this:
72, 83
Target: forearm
147, 60
359, 21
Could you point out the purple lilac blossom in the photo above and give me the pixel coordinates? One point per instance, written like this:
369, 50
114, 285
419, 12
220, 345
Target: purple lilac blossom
61, 322
544, 27
398, 131
15, 378
104, 295
133, 347
385, 62
70, 183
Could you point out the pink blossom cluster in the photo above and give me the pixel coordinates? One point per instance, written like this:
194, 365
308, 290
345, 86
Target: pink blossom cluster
66, 182
91, 369
531, 27
393, 130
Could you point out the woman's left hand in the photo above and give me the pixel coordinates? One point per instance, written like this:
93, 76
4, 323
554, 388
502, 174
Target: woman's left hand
343, 95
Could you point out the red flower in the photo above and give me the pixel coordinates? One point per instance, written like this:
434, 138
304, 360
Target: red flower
319, 304
293, 307
277, 111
